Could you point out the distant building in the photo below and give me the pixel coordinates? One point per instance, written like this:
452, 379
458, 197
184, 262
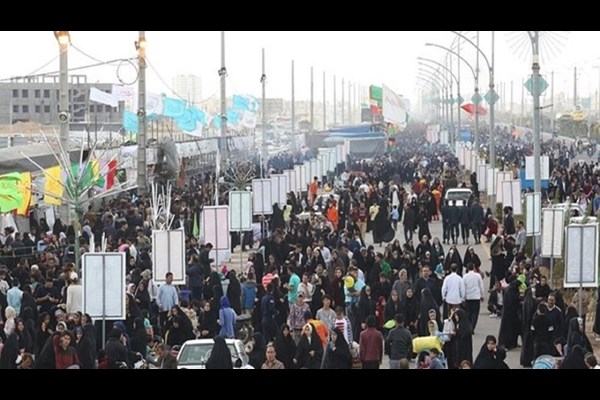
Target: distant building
36, 99
189, 87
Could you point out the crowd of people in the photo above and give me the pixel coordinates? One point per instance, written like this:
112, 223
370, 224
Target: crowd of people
318, 292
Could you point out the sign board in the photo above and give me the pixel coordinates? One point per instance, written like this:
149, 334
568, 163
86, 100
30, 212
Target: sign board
168, 255
511, 195
482, 177
103, 285
553, 222
299, 184
240, 206
501, 177
262, 197
215, 226
581, 258
491, 180
279, 189
533, 203
291, 180
530, 168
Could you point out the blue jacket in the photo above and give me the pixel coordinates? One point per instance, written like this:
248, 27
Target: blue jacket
248, 294
227, 319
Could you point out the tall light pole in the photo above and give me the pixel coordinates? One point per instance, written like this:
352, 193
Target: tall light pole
64, 40
445, 84
451, 98
312, 101
535, 67
263, 82
142, 170
293, 110
222, 148
324, 103
334, 102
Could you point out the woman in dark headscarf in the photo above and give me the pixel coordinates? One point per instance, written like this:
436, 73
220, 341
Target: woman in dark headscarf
257, 356
510, 325
212, 282
234, 294
570, 313
10, 352
139, 338
426, 304
23, 337
577, 337
220, 355
142, 296
490, 355
472, 257
410, 309
86, 352
462, 342
530, 304
42, 334
498, 263
337, 353
575, 359
285, 347
309, 353
381, 224
365, 308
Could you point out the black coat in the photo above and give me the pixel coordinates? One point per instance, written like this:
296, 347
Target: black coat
286, 350
511, 324
195, 272
234, 293
490, 360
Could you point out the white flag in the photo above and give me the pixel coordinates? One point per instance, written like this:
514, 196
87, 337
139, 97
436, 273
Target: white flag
154, 104
102, 97
196, 132
123, 93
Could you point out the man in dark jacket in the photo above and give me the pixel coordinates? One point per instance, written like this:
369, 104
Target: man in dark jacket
454, 219
476, 220
465, 222
445, 210
399, 341
410, 222
204, 259
166, 360
195, 274
509, 222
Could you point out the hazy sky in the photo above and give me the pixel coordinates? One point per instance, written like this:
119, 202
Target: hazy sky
363, 57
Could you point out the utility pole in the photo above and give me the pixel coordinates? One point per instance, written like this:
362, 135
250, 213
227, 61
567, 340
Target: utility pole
334, 102
342, 101
324, 104
522, 101
575, 87
64, 41
142, 170
534, 35
552, 116
222, 148
263, 81
312, 101
492, 127
293, 111
511, 103
477, 103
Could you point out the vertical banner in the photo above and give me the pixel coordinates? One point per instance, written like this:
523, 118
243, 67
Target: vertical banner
491, 180
215, 226
482, 177
530, 169
304, 173
581, 258
511, 195
533, 203
299, 183
307, 177
333, 159
553, 223
340, 153
103, 285
168, 255
501, 176
320, 166
279, 189
291, 180
240, 211
262, 197
314, 170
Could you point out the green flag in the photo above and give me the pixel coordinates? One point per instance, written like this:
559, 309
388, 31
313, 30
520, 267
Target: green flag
376, 93
10, 197
196, 228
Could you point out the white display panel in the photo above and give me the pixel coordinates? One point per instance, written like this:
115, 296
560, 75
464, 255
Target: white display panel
168, 255
291, 180
491, 180
553, 222
299, 183
511, 195
240, 211
533, 203
215, 226
103, 285
581, 258
530, 167
501, 177
262, 197
482, 176
279, 189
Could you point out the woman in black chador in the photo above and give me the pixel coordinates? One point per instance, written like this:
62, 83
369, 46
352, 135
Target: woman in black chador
510, 325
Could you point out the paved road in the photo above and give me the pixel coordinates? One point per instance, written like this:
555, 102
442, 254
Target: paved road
485, 325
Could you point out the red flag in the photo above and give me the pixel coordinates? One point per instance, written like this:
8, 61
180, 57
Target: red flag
375, 110
470, 108
112, 174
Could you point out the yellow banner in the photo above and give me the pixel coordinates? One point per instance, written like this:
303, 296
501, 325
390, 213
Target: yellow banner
53, 188
24, 186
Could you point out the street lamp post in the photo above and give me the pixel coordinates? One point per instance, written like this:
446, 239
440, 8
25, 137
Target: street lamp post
445, 84
64, 40
435, 87
535, 67
451, 99
142, 181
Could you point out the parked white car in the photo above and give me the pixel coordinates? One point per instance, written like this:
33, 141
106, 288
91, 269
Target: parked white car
461, 195
194, 354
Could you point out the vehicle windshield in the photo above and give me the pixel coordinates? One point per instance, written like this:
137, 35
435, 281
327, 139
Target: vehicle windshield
458, 195
198, 354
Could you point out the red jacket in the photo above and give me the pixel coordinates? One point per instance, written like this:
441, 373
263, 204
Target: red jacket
371, 345
64, 358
